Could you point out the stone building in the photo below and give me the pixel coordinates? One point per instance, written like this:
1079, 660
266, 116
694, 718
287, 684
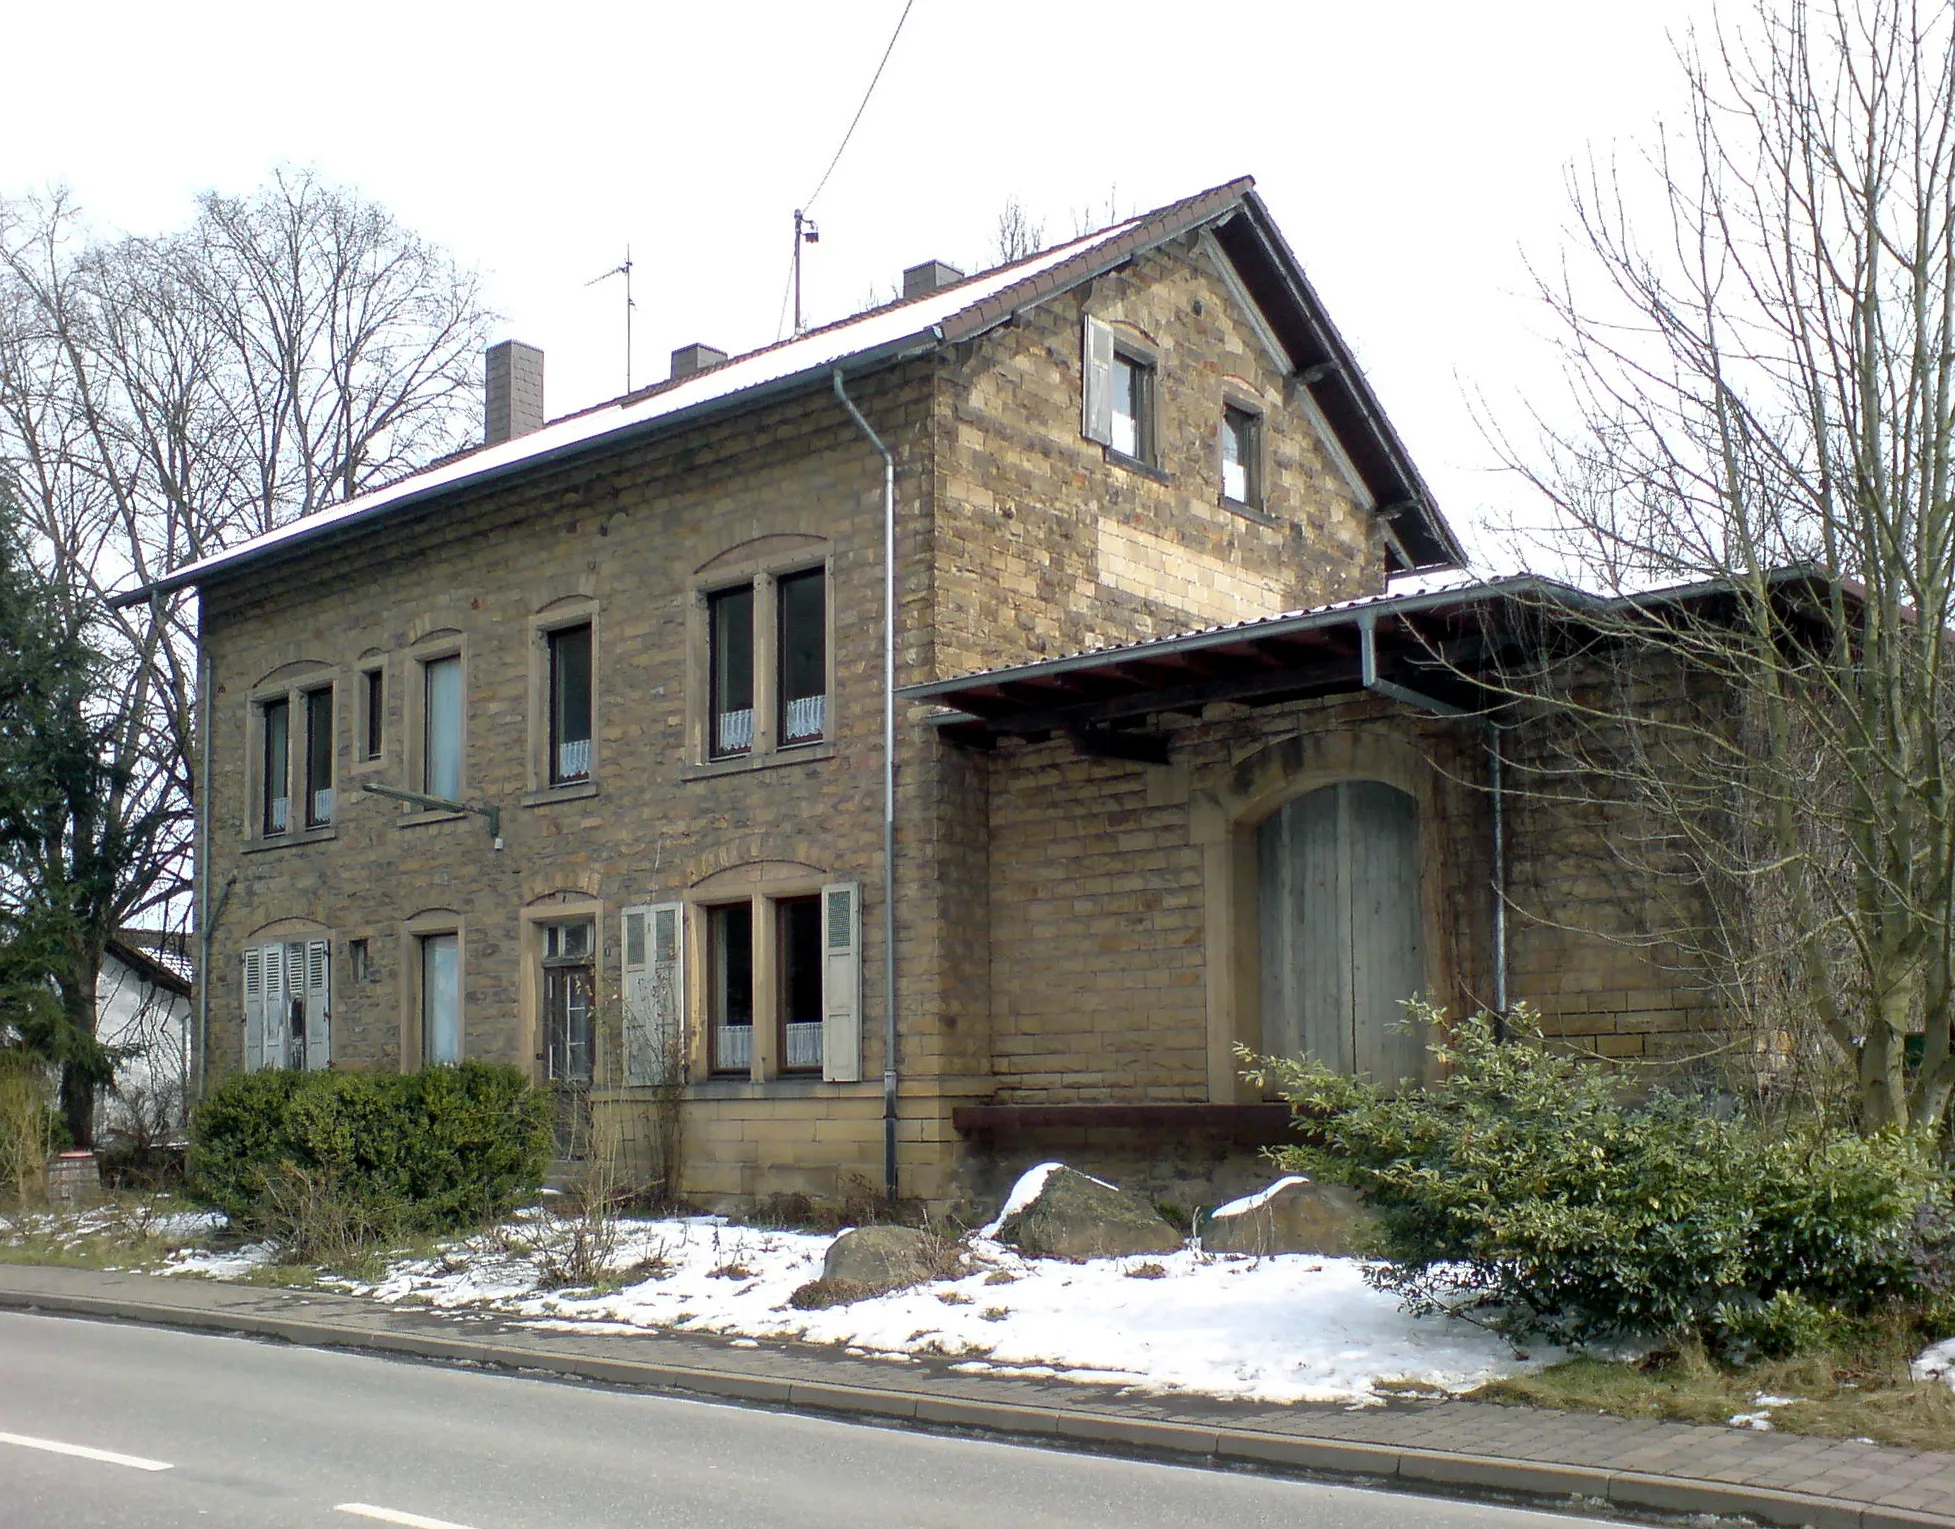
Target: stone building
570, 752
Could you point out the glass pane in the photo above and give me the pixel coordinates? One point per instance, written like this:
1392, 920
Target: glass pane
731, 931
278, 766
1237, 451
376, 711
570, 704
442, 761
441, 999
319, 758
732, 663
801, 963
1126, 407
804, 656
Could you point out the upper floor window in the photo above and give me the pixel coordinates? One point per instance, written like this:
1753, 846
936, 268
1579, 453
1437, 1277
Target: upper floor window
318, 758
276, 722
441, 742
730, 622
570, 704
803, 656
1133, 407
374, 703
1242, 442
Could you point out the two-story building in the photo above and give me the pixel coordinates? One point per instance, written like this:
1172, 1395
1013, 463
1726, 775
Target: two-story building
929, 743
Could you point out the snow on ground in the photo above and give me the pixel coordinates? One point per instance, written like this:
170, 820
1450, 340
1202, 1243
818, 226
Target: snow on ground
1936, 1362
1286, 1328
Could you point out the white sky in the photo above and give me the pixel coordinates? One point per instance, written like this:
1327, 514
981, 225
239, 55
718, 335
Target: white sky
1412, 152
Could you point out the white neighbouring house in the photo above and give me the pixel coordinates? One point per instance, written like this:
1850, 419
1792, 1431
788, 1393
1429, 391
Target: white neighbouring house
143, 1001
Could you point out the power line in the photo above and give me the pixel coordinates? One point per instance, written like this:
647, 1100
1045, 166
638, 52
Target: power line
809, 201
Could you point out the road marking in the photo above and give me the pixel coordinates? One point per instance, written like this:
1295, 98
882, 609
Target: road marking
82, 1451
394, 1516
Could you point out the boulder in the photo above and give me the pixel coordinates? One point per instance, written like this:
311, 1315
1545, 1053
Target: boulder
872, 1259
1074, 1216
1293, 1215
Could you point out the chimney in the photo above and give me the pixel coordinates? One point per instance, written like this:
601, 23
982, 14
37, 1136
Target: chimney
695, 357
931, 276
512, 402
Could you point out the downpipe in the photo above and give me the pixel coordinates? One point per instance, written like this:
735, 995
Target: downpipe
888, 784
1496, 788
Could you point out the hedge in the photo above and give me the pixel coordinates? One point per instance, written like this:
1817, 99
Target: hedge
436, 1150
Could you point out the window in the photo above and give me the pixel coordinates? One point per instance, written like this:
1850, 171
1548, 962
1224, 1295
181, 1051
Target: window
287, 1013
569, 983
441, 999
375, 713
729, 937
441, 742
277, 720
1133, 407
318, 758
570, 705
1242, 442
730, 619
803, 656
359, 959
798, 920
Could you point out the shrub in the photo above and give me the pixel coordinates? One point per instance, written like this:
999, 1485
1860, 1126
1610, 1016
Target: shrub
1523, 1180
437, 1150
31, 1130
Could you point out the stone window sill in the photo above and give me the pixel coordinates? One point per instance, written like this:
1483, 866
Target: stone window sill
292, 840
573, 791
1253, 512
1135, 465
800, 753
798, 1085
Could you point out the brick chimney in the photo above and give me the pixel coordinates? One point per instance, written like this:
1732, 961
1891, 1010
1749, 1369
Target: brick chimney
931, 276
512, 402
695, 357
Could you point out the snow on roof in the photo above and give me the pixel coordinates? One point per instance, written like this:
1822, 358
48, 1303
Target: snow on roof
876, 330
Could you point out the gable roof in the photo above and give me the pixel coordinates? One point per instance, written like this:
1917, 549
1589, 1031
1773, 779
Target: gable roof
900, 331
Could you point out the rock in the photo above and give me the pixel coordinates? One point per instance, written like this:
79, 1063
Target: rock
1293, 1215
1074, 1216
872, 1259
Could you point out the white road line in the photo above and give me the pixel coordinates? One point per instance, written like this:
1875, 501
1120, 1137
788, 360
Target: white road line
394, 1516
82, 1451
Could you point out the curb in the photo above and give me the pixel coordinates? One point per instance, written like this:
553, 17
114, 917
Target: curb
1428, 1470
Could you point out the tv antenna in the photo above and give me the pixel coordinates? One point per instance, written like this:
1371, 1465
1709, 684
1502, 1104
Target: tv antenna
624, 270
805, 232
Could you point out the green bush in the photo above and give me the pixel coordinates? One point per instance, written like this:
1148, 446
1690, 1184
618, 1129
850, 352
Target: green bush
1523, 1181
441, 1149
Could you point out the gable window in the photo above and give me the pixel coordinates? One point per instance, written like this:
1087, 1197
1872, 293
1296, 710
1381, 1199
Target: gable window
569, 985
441, 999
441, 742
1133, 407
1242, 450
374, 712
730, 621
729, 939
803, 656
570, 705
276, 717
318, 758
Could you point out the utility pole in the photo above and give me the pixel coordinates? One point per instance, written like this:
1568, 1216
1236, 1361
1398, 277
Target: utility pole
805, 232
625, 271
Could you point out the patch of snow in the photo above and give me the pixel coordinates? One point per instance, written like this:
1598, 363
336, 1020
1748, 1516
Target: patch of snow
1762, 1421
1258, 1200
1764, 1400
1935, 1362
234, 1265
1280, 1329
1030, 1185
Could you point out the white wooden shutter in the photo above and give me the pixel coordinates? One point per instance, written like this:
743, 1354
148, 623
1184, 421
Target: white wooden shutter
254, 1008
668, 989
318, 1005
275, 1001
841, 983
1096, 392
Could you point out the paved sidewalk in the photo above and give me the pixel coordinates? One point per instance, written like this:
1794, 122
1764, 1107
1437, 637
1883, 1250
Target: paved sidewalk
1603, 1462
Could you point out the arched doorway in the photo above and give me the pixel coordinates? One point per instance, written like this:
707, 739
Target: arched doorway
1342, 929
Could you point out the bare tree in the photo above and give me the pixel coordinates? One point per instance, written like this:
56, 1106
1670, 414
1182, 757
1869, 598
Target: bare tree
1017, 235
164, 398
1764, 382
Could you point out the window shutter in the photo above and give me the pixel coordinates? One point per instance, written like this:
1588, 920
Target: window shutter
254, 1008
318, 1006
1096, 393
274, 1018
841, 983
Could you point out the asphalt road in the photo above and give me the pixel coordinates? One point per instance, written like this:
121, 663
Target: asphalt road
189, 1429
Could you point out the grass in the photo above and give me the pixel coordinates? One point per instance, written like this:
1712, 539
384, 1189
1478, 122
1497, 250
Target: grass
119, 1233
1855, 1392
